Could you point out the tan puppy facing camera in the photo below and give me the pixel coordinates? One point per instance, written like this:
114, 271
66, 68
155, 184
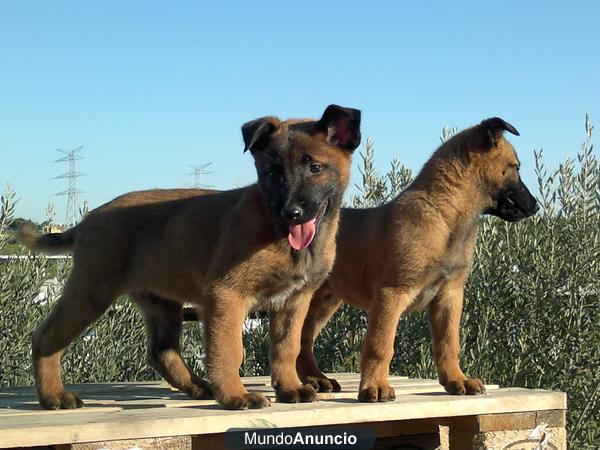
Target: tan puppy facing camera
268, 245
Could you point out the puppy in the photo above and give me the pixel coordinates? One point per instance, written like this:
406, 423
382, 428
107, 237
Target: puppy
416, 251
268, 245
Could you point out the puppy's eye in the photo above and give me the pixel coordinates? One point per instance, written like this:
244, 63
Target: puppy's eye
510, 167
316, 168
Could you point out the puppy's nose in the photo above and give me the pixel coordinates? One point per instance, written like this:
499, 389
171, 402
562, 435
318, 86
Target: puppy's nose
536, 207
291, 213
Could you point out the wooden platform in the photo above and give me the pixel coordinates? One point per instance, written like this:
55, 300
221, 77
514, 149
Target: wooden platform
146, 410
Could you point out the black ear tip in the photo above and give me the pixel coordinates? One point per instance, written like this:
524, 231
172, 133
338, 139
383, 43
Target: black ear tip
342, 126
257, 131
496, 124
511, 129
351, 112
492, 122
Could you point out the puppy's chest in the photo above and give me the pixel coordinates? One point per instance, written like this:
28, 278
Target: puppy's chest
283, 284
279, 291
450, 266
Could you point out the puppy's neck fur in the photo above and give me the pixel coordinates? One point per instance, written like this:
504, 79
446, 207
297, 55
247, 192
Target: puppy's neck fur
448, 181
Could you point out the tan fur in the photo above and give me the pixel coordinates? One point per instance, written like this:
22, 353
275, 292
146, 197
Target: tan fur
223, 251
413, 252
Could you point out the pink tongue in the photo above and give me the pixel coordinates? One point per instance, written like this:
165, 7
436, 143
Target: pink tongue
302, 235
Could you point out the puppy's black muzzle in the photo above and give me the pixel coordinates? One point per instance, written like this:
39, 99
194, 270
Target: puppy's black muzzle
515, 203
301, 212
291, 214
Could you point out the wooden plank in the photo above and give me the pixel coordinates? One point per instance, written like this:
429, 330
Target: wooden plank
491, 422
162, 443
99, 425
461, 440
351, 392
393, 382
178, 400
95, 403
265, 381
400, 390
107, 392
213, 441
553, 418
110, 390
508, 421
339, 377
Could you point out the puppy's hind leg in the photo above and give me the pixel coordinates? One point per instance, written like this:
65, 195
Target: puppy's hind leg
163, 330
322, 306
79, 305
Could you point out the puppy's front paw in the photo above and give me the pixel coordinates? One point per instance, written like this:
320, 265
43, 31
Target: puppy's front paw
62, 400
304, 394
324, 384
472, 386
376, 393
250, 400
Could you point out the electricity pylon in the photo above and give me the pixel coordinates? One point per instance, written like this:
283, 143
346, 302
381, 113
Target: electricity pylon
72, 193
199, 172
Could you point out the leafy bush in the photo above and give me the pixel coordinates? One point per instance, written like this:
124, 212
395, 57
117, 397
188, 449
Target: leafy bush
531, 315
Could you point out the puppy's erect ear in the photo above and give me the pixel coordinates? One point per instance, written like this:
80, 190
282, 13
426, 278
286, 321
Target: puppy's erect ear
256, 133
493, 129
342, 126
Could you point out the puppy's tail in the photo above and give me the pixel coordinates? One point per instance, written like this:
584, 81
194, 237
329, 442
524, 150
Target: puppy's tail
47, 243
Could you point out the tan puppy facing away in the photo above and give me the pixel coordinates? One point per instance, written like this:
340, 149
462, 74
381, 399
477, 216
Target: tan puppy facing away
268, 245
416, 251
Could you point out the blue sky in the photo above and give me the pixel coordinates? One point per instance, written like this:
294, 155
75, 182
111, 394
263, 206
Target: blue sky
151, 87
